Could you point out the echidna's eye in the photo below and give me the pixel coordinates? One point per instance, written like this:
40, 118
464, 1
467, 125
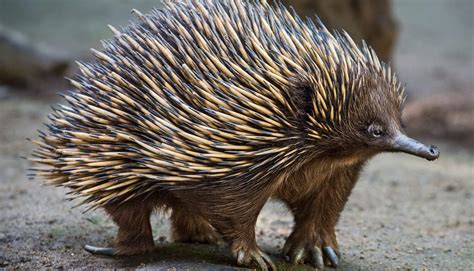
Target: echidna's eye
375, 130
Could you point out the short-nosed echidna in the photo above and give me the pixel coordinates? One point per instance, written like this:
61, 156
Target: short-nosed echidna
210, 108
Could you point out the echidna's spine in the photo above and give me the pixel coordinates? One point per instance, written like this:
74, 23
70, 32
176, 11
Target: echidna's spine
200, 92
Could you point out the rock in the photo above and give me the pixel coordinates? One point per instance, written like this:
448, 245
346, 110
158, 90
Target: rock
369, 20
4, 91
443, 116
26, 64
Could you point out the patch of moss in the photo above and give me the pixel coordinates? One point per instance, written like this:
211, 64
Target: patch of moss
56, 232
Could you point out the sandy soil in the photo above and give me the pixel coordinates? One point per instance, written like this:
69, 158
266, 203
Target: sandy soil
404, 213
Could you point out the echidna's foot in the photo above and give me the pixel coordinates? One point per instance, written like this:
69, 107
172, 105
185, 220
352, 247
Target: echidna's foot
103, 251
256, 256
314, 252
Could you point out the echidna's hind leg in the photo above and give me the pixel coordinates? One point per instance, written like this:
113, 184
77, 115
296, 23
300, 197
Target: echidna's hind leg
189, 227
134, 230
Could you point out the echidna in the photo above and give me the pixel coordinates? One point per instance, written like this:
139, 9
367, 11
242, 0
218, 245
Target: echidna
210, 108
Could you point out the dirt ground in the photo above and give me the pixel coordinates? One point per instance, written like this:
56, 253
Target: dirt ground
405, 212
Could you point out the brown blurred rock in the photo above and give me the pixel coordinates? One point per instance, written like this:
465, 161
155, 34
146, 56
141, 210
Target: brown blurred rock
28, 65
369, 20
447, 115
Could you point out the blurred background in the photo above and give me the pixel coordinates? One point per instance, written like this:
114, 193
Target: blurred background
429, 43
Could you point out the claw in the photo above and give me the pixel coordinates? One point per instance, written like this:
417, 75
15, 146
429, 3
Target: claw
331, 255
241, 258
269, 261
262, 260
317, 257
105, 251
297, 256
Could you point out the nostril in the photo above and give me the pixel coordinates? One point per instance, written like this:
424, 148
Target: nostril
433, 150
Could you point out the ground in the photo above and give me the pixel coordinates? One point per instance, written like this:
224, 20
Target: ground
405, 212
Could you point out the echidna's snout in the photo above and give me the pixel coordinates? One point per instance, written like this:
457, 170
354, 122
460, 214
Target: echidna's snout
403, 143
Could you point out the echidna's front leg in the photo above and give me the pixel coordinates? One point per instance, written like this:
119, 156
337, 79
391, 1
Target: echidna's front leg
189, 227
311, 243
313, 239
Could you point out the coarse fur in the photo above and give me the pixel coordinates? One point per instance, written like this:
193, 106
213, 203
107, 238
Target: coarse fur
210, 108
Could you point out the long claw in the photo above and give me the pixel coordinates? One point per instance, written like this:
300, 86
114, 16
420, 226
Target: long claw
297, 256
331, 255
263, 261
241, 258
269, 261
257, 257
105, 251
317, 257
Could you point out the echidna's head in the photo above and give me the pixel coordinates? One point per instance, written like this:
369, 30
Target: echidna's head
357, 106
373, 122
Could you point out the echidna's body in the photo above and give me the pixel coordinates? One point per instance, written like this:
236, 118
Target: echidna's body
212, 107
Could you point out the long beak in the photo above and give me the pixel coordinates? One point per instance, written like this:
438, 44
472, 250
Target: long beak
402, 143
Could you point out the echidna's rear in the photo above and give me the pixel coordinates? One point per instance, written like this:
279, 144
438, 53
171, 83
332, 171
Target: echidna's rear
212, 107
